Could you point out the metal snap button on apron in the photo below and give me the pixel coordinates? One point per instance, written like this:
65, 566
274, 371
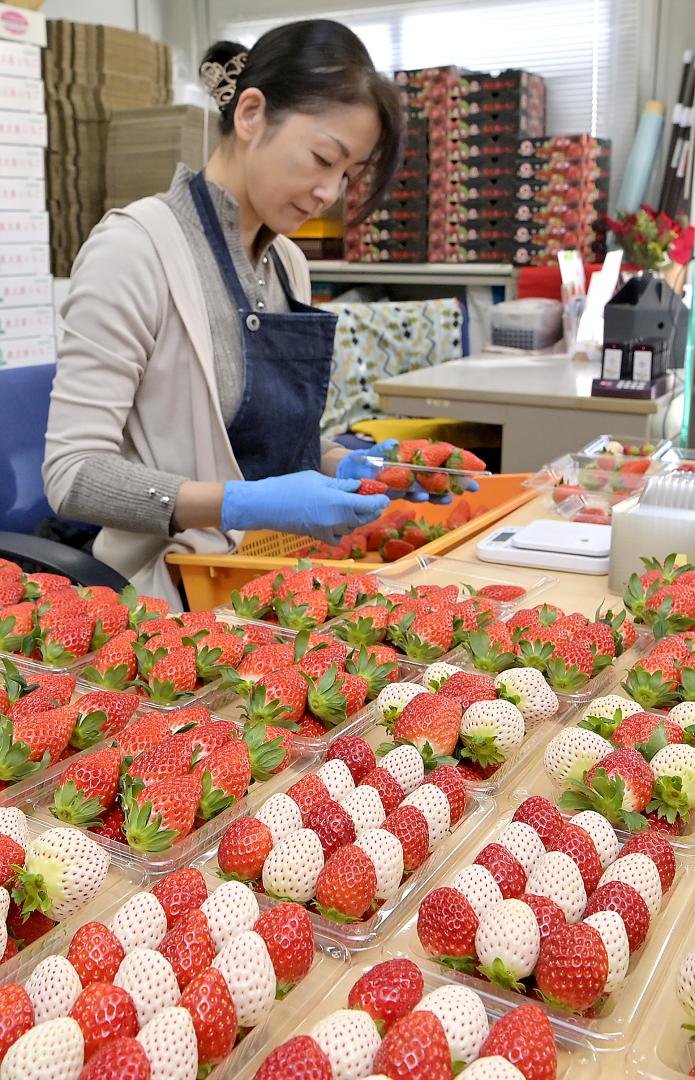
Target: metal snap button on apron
253, 322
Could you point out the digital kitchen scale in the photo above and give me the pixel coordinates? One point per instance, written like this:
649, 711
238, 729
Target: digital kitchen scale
551, 545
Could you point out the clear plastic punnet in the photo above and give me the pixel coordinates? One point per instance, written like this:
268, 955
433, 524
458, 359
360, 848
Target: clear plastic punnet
633, 446
471, 578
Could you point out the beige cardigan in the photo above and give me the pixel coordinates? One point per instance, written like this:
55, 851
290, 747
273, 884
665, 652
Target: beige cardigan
166, 402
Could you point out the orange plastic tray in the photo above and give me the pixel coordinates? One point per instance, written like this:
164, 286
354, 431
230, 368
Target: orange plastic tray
209, 579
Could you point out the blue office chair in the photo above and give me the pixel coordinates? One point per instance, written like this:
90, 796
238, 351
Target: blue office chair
24, 397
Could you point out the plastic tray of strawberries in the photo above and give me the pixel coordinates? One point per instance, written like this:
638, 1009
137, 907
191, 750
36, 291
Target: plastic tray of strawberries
329, 961
626, 447
659, 675
576, 1058
584, 474
364, 932
471, 578
612, 1023
36, 798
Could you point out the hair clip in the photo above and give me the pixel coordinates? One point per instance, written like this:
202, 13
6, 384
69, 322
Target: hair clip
220, 79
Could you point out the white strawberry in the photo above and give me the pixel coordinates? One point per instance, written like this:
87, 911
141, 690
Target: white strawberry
572, 752
350, 1040
337, 778
281, 814
169, 1040
141, 922
393, 699
365, 808
150, 980
614, 936
53, 986
602, 833
557, 877
437, 675
528, 690
230, 909
292, 869
508, 942
434, 804
4, 904
478, 886
13, 823
50, 1051
248, 971
406, 766
523, 842
606, 707
386, 853
683, 713
64, 869
493, 1068
463, 1017
685, 983
677, 760
491, 729
639, 871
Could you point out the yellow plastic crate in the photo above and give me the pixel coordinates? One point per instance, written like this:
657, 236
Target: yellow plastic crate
209, 579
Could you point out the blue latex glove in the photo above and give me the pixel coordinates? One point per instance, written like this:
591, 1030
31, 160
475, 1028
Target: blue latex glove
355, 465
302, 503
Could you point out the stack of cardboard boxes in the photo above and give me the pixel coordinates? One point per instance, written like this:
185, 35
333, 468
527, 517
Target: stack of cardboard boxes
561, 195
89, 72
27, 333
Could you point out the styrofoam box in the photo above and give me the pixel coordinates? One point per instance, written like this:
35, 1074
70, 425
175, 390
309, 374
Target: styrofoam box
22, 194
26, 291
19, 58
22, 161
27, 227
18, 24
24, 259
25, 129
26, 351
21, 95
26, 322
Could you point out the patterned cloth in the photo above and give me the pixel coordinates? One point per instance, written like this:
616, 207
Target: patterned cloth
378, 340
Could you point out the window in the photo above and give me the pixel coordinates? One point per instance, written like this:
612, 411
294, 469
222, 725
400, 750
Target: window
585, 49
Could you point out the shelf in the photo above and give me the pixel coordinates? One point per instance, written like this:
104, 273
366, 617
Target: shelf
413, 274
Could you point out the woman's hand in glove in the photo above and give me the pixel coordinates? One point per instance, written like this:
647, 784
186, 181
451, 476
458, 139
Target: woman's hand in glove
303, 503
356, 465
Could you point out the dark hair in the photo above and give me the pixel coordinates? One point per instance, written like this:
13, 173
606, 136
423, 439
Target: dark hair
304, 66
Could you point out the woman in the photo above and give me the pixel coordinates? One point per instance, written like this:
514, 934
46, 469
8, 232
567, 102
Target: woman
193, 372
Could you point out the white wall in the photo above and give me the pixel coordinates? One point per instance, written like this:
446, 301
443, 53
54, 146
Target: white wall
142, 15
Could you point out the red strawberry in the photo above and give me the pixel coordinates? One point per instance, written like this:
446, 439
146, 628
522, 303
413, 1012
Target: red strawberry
502, 593
11, 590
572, 968
44, 735
104, 1012
189, 947
336, 696
433, 454
209, 1001
174, 676
356, 753
212, 735
217, 651
88, 788
16, 623
300, 1058
107, 621
26, 931
571, 666
525, 1038
162, 814
541, 815
388, 991
306, 609
255, 598
396, 477
389, 790
449, 780
436, 483
180, 892
114, 664
365, 626
119, 1059
464, 459
577, 843
225, 777
424, 638
636, 730
308, 727
308, 792
549, 915
659, 850
506, 870
45, 584
277, 698
243, 849
95, 953
653, 682
467, 688
660, 824
346, 887
446, 927
145, 733
10, 952
431, 722
628, 788
409, 825
112, 825
171, 757
627, 902
332, 824
393, 548
372, 487
119, 709
289, 938
11, 854
415, 1049
16, 1015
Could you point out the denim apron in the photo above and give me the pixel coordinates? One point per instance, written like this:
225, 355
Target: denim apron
287, 365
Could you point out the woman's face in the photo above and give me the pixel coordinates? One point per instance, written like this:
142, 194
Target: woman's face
299, 167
